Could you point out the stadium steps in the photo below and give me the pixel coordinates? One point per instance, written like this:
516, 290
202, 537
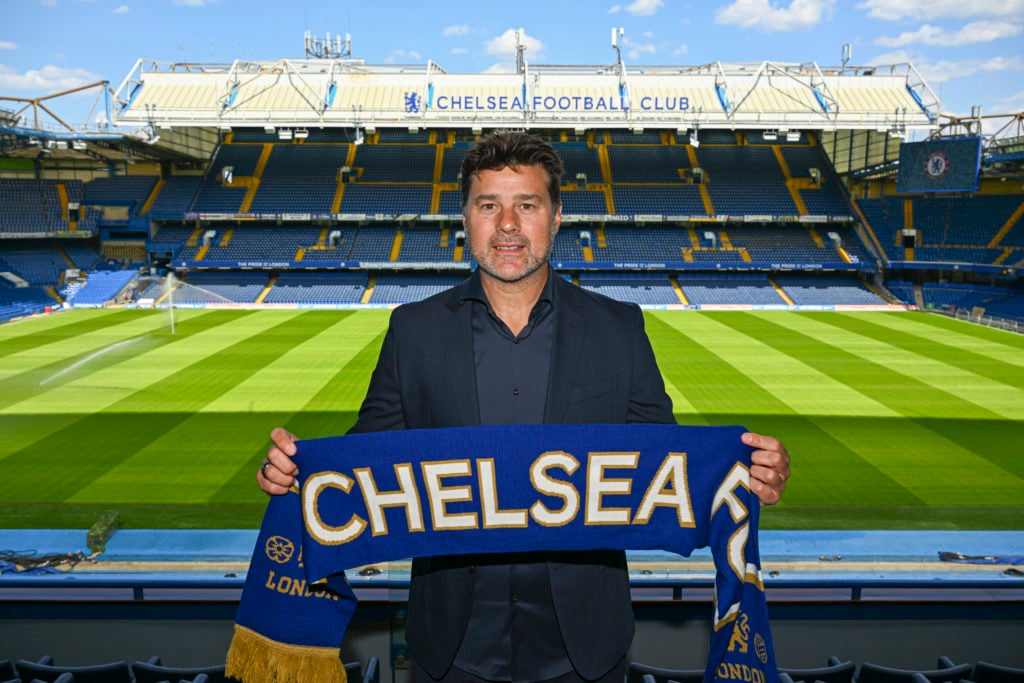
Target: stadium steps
371, 284
794, 185
780, 291
1002, 257
52, 291
65, 257
678, 290
908, 224
606, 168
705, 196
396, 246
266, 290
153, 194
1007, 227
868, 230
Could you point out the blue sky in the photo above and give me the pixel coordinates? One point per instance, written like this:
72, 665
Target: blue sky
971, 52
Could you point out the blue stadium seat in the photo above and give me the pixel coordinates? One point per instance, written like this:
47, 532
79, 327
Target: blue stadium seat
154, 671
945, 672
45, 670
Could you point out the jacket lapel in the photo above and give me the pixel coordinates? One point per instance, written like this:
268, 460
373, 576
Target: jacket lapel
570, 331
460, 370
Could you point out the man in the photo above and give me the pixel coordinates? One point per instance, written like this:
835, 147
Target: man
516, 344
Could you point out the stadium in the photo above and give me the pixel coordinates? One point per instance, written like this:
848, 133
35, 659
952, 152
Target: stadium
820, 253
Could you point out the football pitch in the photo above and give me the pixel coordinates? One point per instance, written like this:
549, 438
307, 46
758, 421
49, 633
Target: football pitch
894, 420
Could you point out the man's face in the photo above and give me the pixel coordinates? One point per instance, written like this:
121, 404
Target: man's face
510, 222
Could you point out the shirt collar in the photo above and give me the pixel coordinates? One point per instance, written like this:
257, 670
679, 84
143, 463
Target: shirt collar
473, 289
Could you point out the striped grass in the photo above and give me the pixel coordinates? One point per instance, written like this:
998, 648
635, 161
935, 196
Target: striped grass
894, 420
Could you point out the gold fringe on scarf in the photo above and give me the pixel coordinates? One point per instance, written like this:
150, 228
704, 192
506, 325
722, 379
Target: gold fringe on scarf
253, 658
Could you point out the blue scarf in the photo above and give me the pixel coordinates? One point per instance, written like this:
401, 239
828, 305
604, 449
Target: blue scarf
368, 498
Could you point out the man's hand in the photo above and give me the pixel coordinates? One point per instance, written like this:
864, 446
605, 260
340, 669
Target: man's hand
277, 472
769, 467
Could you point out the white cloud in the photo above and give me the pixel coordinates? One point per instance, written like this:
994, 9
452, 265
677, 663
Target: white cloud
194, 3
8, 45
644, 8
45, 80
1010, 103
123, 9
459, 50
455, 30
975, 32
799, 15
946, 69
635, 52
499, 68
48, 3
634, 49
923, 10
504, 46
614, 9
681, 50
403, 56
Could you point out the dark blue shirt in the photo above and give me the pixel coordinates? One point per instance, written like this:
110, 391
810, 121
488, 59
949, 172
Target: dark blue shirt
513, 632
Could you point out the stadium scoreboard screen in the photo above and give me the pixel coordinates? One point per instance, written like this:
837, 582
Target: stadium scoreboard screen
950, 165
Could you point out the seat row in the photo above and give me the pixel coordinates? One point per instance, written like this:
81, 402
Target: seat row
839, 671
45, 670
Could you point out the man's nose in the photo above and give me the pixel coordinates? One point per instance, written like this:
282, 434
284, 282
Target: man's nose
508, 221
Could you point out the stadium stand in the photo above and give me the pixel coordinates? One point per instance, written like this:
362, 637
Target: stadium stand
317, 288
757, 189
402, 288
638, 288
826, 290
101, 287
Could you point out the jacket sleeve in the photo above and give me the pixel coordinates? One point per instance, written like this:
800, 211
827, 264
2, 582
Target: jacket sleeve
648, 401
382, 407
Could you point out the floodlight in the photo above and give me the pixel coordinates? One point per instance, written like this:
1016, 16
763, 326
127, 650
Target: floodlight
269, 130
793, 136
301, 133
284, 134
360, 138
79, 145
771, 135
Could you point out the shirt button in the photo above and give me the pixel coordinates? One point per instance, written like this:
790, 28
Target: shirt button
515, 392
514, 599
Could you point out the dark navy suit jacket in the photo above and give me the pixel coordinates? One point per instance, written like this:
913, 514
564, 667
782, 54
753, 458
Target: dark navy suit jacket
602, 371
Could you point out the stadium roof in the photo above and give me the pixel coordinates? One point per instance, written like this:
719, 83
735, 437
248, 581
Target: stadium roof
349, 93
